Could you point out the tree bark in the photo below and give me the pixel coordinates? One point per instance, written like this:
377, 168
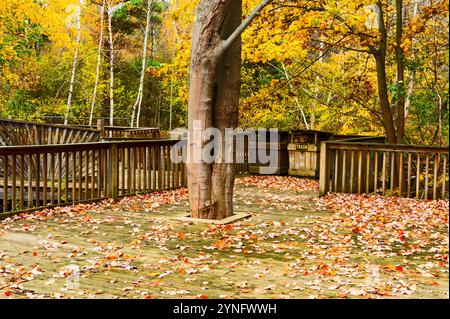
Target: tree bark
99, 60
380, 60
111, 67
74, 67
202, 76
137, 105
213, 101
412, 75
225, 115
400, 61
170, 103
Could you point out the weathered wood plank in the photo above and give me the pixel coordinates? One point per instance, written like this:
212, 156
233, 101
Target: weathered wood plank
444, 183
418, 176
408, 181
427, 168
435, 176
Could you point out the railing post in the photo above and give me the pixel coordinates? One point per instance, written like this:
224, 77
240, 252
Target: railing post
101, 127
114, 178
323, 175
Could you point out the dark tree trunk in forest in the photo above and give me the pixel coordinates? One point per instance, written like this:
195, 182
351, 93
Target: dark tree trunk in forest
395, 131
386, 112
380, 60
213, 101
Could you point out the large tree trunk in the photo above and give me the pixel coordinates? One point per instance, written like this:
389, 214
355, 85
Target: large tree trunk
201, 91
226, 109
213, 101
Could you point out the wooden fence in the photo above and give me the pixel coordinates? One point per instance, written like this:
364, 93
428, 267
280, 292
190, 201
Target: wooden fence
13, 132
355, 166
38, 176
123, 132
131, 133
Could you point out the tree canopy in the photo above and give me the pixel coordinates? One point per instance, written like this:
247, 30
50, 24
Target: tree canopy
306, 64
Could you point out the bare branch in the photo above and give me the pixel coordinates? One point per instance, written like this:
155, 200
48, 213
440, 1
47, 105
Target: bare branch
228, 42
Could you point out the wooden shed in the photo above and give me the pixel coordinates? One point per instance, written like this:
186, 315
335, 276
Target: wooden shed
279, 150
304, 152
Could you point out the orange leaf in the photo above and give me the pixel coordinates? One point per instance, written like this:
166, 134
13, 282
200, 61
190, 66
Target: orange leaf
356, 229
434, 283
220, 244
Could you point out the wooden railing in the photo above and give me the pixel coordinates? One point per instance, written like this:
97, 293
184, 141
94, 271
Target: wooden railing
354, 166
34, 177
140, 133
14, 132
123, 132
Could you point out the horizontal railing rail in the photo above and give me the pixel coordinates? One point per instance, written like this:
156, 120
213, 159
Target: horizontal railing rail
39, 124
125, 132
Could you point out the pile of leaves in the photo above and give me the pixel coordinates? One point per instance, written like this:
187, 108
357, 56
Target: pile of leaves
412, 226
282, 183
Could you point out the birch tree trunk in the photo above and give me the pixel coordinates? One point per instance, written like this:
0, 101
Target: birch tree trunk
400, 61
99, 59
111, 66
413, 72
288, 78
170, 103
74, 67
213, 101
138, 103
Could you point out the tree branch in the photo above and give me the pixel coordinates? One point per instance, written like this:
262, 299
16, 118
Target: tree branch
239, 30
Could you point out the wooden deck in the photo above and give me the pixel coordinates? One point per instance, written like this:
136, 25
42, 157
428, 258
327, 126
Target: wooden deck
133, 249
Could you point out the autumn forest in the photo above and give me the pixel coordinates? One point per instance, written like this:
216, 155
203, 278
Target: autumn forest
306, 65
225, 149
